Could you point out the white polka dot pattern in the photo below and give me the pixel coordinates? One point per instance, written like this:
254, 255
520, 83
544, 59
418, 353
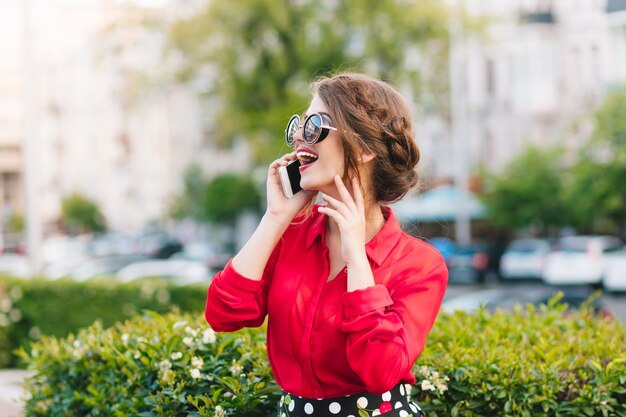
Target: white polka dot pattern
334, 408
308, 408
387, 396
362, 402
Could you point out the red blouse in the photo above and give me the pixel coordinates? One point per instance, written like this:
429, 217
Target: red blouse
323, 341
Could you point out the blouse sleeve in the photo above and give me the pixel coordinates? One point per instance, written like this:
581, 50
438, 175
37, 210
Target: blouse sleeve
234, 301
387, 329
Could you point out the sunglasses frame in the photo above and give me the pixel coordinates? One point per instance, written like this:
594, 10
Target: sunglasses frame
324, 129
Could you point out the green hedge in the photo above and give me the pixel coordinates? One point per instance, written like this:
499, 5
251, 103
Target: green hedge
32, 308
530, 362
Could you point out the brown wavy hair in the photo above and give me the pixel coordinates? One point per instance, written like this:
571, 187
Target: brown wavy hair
372, 116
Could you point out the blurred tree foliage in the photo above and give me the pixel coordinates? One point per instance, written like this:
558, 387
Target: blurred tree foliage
189, 204
81, 214
597, 193
220, 200
229, 195
258, 56
529, 191
589, 194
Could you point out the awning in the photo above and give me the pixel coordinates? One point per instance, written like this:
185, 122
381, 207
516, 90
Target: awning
439, 204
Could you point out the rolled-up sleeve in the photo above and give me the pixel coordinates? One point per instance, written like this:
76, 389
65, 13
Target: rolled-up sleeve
387, 328
234, 301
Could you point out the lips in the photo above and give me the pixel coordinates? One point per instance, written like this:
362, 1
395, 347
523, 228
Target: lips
306, 156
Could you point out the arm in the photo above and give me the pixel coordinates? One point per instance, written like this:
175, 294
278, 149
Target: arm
387, 330
235, 301
237, 295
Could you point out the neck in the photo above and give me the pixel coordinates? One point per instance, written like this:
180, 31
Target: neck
374, 221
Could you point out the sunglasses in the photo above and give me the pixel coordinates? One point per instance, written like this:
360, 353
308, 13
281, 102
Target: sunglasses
316, 128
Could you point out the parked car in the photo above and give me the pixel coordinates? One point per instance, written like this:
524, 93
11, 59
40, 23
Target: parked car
179, 271
507, 298
15, 265
524, 258
476, 262
580, 259
206, 252
615, 275
104, 266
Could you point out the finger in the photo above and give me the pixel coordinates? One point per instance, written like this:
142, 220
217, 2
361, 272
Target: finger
333, 214
283, 160
338, 205
345, 194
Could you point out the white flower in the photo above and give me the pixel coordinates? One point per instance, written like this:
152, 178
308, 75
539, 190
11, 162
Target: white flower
5, 305
165, 365
15, 315
219, 412
76, 343
15, 293
441, 387
137, 355
191, 331
34, 333
236, 369
197, 362
208, 336
427, 385
125, 338
176, 356
195, 373
141, 339
163, 296
188, 341
179, 325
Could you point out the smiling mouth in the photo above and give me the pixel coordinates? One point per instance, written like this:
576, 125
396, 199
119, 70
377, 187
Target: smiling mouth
306, 158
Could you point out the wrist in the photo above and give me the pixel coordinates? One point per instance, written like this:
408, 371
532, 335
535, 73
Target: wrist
279, 220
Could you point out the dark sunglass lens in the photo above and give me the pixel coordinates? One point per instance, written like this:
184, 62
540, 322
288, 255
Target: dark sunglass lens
312, 129
292, 128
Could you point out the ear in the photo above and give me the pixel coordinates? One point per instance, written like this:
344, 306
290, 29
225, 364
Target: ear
366, 157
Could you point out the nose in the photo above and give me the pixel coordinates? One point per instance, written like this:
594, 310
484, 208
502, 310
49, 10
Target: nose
297, 136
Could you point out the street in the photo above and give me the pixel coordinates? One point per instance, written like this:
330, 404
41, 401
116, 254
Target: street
615, 303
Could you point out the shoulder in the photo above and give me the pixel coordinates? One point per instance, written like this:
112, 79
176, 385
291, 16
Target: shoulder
418, 255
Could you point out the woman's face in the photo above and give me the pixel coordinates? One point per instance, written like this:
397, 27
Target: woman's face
321, 161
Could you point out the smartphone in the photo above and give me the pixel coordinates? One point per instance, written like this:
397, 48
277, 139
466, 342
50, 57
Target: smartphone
290, 178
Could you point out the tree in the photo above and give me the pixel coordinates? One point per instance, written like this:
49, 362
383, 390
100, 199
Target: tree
528, 191
189, 204
261, 54
598, 187
81, 214
227, 196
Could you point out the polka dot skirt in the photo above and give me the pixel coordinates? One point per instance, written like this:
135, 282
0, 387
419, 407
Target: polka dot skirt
393, 403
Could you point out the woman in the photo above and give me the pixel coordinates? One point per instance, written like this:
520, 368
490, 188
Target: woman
349, 297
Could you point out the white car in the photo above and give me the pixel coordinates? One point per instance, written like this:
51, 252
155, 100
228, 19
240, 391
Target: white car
179, 271
524, 258
580, 259
615, 275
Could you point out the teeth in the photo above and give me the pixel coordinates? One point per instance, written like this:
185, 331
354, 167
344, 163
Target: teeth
306, 155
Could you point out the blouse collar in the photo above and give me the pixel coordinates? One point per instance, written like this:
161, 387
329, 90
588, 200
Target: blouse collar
377, 249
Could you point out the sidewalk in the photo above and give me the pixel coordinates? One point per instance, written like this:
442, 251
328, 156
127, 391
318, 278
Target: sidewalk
11, 392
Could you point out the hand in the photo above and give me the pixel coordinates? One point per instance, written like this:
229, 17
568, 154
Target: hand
349, 214
278, 206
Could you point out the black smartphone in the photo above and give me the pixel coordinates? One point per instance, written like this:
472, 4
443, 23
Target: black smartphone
290, 178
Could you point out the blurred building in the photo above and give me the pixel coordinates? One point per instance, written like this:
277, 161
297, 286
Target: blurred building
104, 121
533, 78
